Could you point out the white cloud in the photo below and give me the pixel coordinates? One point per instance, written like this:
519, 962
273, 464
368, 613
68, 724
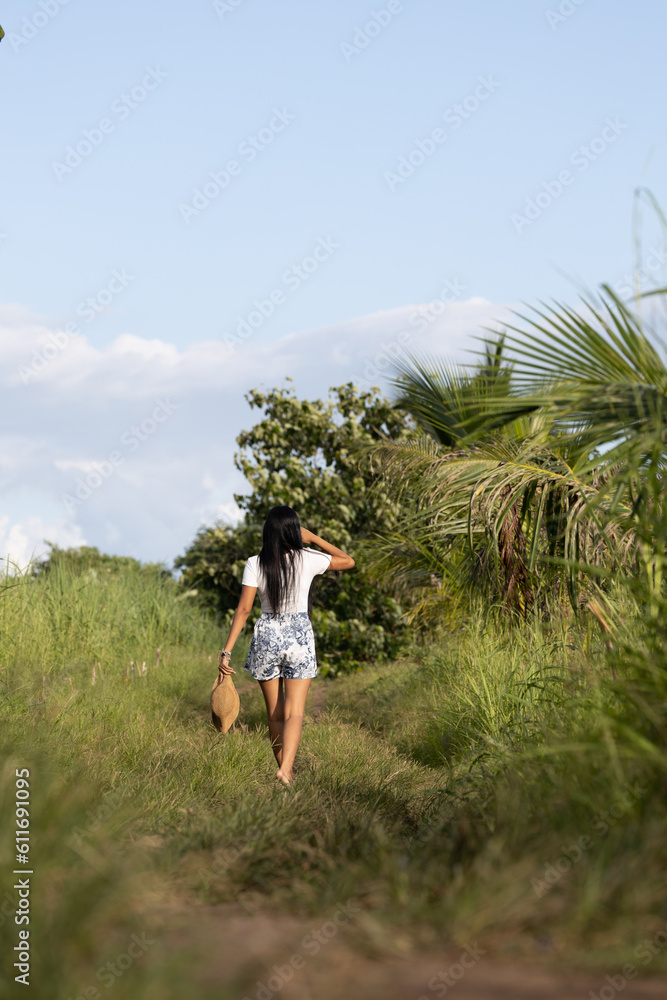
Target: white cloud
79, 464
229, 512
140, 435
24, 540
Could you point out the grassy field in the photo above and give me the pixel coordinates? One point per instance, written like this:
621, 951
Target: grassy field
477, 790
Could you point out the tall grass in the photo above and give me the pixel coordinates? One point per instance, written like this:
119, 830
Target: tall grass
441, 793
68, 621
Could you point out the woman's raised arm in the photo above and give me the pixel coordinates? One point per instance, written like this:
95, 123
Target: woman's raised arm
339, 559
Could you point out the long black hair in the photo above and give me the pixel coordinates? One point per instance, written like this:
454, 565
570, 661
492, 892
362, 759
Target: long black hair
281, 548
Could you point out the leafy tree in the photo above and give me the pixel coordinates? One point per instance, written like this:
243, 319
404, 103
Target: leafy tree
307, 454
213, 564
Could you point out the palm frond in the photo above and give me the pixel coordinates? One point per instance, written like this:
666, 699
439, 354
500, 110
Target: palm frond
449, 401
534, 462
520, 502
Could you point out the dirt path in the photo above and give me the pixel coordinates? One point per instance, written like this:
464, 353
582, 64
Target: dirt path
251, 954
257, 955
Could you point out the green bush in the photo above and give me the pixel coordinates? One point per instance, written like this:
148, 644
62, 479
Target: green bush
305, 454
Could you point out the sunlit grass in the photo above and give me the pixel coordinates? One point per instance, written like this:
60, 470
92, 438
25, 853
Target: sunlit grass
435, 791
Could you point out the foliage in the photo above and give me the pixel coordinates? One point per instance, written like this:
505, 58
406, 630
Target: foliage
598, 373
543, 474
212, 566
440, 793
446, 794
305, 453
87, 608
448, 401
86, 559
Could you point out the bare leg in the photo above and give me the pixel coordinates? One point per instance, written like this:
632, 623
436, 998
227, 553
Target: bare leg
275, 711
296, 692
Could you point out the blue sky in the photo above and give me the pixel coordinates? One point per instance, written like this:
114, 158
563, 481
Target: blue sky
334, 96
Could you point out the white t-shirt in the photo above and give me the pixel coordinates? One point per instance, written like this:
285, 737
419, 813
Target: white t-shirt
309, 565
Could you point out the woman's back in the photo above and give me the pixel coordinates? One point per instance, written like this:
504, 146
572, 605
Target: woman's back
282, 654
308, 563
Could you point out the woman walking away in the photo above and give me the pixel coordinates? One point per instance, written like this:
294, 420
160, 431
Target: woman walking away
282, 651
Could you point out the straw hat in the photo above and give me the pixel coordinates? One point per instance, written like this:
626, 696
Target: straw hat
225, 703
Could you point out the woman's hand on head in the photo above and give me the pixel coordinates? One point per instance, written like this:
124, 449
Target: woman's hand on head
306, 536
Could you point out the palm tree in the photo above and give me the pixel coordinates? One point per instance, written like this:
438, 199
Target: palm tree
447, 401
530, 466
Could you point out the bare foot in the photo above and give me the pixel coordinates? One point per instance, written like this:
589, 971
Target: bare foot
284, 776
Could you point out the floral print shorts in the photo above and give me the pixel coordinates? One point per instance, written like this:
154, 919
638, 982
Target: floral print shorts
282, 646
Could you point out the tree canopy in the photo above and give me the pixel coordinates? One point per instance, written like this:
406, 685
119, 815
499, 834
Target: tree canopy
306, 453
